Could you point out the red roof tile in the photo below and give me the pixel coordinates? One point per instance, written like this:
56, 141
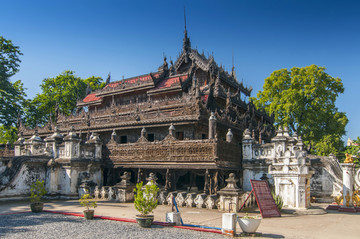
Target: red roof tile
91, 97
170, 82
132, 80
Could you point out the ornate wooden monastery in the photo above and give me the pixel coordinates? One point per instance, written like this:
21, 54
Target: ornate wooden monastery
184, 122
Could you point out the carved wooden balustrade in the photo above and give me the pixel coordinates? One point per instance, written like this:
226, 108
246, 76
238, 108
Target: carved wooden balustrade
172, 153
164, 110
6, 152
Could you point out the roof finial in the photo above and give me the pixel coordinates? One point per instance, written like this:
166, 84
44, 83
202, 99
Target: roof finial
108, 78
185, 18
186, 42
233, 58
233, 74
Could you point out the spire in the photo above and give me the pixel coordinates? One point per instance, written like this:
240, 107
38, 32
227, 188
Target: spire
108, 78
88, 89
186, 41
233, 60
185, 18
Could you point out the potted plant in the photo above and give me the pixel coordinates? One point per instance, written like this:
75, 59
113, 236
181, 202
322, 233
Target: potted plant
87, 201
145, 201
37, 190
249, 224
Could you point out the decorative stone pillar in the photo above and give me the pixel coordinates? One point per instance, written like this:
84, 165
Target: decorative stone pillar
229, 196
113, 137
143, 133
229, 136
173, 218
172, 130
151, 179
19, 144
125, 189
348, 184
96, 141
212, 126
84, 187
72, 145
279, 142
35, 144
247, 143
52, 143
229, 224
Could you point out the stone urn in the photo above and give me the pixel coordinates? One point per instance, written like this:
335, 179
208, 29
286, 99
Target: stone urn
145, 220
37, 206
249, 224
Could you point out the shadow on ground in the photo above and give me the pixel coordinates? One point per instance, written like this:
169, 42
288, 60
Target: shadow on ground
20, 222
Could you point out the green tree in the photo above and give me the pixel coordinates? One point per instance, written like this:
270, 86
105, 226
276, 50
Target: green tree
61, 92
304, 100
8, 134
12, 95
354, 150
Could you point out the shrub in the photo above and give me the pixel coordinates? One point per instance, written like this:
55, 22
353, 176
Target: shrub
87, 201
145, 198
250, 217
278, 200
37, 190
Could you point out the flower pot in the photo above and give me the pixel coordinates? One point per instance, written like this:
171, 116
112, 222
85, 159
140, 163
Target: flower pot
145, 220
37, 206
89, 214
249, 225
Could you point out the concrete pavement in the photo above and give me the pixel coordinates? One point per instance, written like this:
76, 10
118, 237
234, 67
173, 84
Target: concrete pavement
331, 225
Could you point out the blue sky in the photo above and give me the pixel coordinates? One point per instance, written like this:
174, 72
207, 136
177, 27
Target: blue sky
129, 38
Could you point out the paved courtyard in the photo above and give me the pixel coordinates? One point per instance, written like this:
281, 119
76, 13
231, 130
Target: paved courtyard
48, 225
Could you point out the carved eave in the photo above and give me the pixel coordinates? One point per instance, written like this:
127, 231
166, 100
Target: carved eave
200, 60
95, 102
175, 86
166, 90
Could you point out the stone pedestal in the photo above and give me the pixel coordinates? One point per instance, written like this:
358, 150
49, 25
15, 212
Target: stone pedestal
125, 189
173, 217
229, 224
229, 196
84, 188
348, 185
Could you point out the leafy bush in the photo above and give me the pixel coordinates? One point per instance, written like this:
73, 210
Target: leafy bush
87, 201
250, 217
37, 190
145, 198
278, 200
